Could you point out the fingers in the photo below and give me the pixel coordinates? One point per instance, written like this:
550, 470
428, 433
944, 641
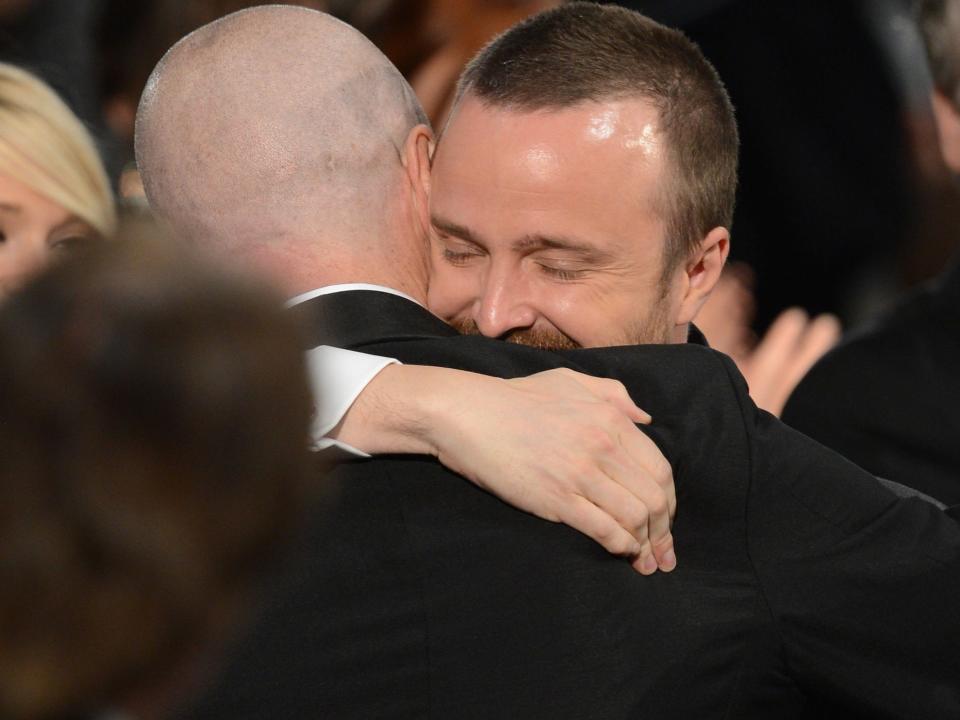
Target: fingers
779, 343
596, 471
791, 346
646, 472
613, 392
646, 505
822, 334
643, 500
664, 553
599, 525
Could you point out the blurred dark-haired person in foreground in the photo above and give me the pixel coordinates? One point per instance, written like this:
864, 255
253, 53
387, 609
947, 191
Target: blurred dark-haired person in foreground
889, 397
54, 191
153, 416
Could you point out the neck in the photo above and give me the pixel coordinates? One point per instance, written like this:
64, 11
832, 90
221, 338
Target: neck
312, 267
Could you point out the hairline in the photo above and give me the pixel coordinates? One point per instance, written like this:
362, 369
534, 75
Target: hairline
661, 205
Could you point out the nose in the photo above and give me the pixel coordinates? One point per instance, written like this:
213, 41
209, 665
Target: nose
505, 304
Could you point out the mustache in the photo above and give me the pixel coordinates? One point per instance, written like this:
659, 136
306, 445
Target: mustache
531, 337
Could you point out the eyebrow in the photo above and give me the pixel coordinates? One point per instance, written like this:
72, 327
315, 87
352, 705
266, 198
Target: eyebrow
547, 242
528, 243
452, 228
10, 208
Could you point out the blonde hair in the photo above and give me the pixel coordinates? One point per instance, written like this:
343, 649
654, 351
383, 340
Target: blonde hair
45, 146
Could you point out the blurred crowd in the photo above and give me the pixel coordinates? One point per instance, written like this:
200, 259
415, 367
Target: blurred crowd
147, 363
843, 201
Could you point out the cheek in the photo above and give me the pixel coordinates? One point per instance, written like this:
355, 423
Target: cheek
21, 255
593, 314
449, 292
569, 309
564, 309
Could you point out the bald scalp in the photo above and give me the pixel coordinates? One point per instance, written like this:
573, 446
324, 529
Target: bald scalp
274, 124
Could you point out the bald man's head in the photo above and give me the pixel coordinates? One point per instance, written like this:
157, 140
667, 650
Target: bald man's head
276, 130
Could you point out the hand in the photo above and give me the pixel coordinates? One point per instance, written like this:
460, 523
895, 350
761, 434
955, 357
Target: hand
786, 353
775, 364
564, 446
559, 444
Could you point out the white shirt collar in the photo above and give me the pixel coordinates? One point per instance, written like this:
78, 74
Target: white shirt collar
344, 287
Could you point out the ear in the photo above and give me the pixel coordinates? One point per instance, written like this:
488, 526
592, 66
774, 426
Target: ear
948, 128
417, 151
702, 273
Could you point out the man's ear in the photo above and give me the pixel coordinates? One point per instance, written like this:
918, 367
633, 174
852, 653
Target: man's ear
702, 273
417, 152
948, 128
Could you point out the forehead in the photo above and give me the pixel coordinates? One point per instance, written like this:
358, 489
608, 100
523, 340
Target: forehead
593, 170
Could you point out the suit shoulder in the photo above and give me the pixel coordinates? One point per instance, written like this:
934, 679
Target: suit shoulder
694, 385
680, 363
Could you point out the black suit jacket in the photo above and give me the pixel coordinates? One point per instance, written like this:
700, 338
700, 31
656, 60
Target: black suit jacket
802, 584
889, 398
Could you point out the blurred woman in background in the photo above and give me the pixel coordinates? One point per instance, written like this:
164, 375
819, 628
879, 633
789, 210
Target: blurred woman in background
54, 191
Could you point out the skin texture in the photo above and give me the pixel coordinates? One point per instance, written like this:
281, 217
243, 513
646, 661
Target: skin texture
548, 223
276, 143
32, 230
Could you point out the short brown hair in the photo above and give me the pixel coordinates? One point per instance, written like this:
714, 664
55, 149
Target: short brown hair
153, 429
584, 52
939, 22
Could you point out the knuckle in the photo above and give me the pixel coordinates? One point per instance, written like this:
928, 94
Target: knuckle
597, 439
658, 505
639, 519
664, 543
581, 468
621, 545
662, 470
604, 443
606, 534
610, 414
618, 387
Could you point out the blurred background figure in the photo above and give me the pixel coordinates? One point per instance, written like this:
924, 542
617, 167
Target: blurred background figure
842, 201
792, 344
889, 397
838, 160
430, 41
843, 204
54, 192
56, 39
154, 420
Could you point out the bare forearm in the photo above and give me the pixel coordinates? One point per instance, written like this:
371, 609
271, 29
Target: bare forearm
400, 409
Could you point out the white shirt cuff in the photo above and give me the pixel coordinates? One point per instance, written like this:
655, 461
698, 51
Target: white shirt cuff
337, 377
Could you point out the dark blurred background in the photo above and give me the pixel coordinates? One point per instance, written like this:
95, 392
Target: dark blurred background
844, 202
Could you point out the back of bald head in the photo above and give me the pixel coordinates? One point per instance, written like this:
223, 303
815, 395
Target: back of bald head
271, 125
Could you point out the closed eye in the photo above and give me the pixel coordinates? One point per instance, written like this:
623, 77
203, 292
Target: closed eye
561, 273
458, 257
68, 244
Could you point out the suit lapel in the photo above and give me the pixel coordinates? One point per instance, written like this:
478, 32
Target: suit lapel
354, 318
